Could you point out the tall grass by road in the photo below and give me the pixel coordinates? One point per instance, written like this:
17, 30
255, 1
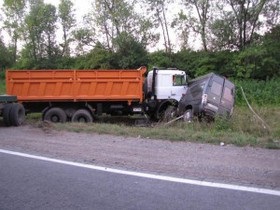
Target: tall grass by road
262, 93
243, 129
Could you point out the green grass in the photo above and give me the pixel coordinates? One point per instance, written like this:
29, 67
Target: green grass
243, 129
258, 92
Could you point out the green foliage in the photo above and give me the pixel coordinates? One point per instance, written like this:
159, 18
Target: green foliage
129, 52
160, 59
66, 17
2, 82
97, 58
199, 63
40, 50
5, 56
259, 92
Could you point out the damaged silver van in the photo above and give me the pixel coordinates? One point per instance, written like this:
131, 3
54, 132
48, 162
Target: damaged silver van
206, 97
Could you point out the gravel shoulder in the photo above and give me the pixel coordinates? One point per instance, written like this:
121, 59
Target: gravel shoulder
227, 164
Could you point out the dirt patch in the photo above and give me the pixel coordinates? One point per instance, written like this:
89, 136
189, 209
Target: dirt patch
227, 164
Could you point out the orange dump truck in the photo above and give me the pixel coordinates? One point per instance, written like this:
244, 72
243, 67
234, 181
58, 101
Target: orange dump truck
78, 95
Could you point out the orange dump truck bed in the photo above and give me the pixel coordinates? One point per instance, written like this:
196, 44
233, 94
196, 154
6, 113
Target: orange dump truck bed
76, 85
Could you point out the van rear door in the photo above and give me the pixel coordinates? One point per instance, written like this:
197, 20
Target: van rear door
214, 93
227, 100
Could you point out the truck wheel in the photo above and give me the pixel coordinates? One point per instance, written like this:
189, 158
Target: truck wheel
6, 114
188, 115
82, 115
55, 115
17, 114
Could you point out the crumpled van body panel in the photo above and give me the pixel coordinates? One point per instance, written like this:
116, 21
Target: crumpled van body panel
209, 95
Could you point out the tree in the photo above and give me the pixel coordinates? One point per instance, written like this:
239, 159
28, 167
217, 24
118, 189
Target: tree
6, 58
261, 60
129, 52
271, 42
271, 13
158, 8
240, 20
14, 11
114, 17
246, 13
223, 33
40, 28
98, 58
198, 21
85, 38
67, 19
182, 30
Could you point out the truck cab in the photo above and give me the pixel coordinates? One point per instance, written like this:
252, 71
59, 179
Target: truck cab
164, 89
169, 84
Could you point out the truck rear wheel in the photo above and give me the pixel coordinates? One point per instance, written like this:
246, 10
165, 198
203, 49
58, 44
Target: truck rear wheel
6, 114
82, 115
17, 114
56, 115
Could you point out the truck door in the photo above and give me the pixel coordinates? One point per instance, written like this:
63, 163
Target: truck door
178, 86
170, 84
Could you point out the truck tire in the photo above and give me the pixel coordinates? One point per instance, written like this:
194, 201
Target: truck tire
82, 115
17, 114
6, 114
55, 115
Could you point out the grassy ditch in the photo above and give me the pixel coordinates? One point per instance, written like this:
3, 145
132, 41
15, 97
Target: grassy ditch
243, 129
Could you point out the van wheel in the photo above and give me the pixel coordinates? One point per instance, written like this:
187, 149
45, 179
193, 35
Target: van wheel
6, 114
188, 115
17, 114
82, 115
169, 113
55, 115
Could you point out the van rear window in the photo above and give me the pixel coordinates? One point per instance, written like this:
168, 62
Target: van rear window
228, 94
216, 88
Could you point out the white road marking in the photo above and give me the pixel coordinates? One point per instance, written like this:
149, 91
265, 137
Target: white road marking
149, 176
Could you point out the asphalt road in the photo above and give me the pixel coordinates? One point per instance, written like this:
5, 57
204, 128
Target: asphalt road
27, 183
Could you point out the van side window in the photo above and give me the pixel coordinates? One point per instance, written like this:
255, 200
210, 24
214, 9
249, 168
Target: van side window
179, 80
216, 88
228, 94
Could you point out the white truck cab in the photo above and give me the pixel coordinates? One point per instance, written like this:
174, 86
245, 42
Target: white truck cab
164, 89
169, 84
